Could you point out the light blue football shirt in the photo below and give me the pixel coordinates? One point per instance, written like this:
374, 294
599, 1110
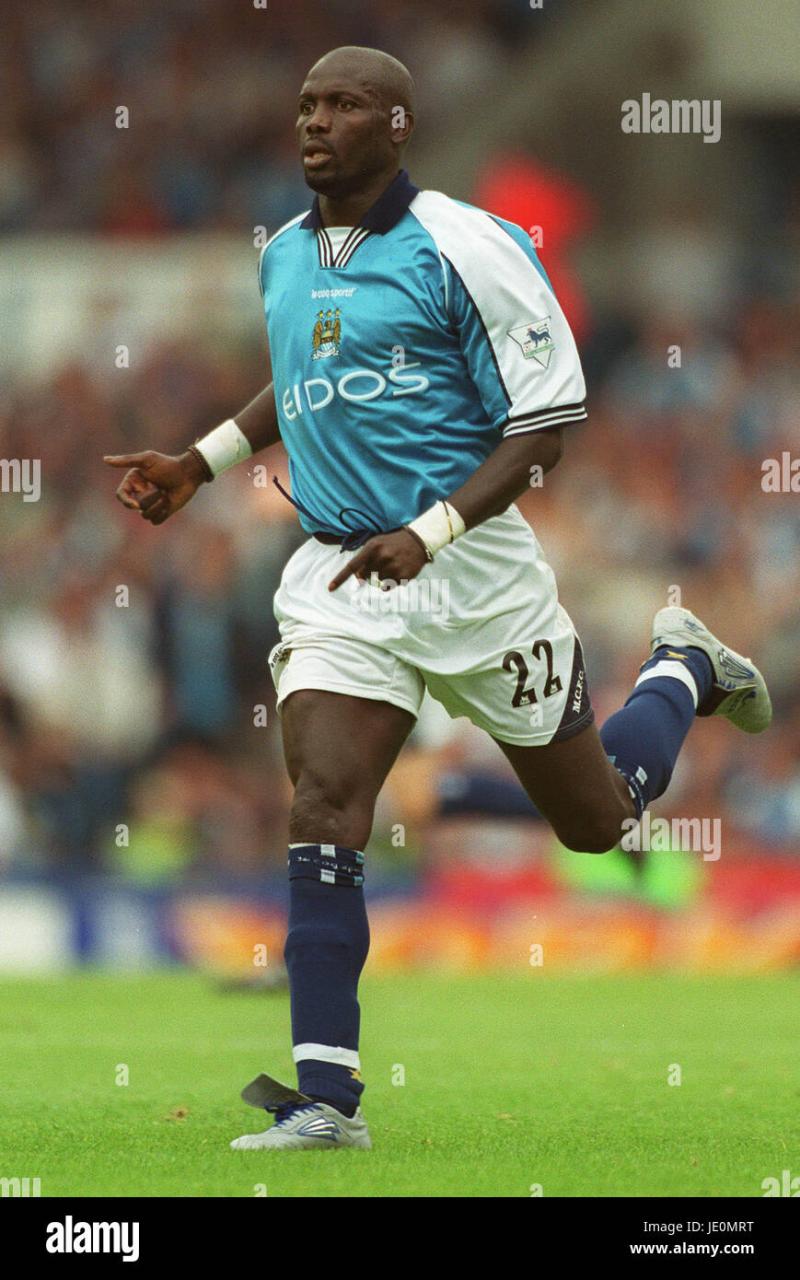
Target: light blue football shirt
404, 355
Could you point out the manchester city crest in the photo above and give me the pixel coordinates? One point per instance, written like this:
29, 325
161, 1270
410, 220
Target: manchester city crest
327, 334
536, 340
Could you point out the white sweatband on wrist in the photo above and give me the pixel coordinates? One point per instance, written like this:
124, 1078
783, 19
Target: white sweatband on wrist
438, 526
224, 447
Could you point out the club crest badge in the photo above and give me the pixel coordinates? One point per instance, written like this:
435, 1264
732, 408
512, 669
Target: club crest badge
327, 334
535, 339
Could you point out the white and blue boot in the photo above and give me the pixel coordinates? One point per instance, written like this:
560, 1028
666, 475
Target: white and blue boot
739, 691
300, 1123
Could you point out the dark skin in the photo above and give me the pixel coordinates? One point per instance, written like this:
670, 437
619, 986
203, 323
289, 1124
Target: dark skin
351, 137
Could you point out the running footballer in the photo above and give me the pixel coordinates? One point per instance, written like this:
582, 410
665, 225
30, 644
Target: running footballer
422, 366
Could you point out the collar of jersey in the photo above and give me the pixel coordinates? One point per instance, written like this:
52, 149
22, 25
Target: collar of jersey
384, 214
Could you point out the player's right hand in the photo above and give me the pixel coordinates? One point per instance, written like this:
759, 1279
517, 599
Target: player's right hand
157, 485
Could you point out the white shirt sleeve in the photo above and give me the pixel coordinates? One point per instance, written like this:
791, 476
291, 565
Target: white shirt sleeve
516, 340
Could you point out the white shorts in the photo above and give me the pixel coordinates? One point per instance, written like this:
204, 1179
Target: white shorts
480, 628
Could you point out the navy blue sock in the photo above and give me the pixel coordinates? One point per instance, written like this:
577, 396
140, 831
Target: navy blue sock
326, 947
643, 738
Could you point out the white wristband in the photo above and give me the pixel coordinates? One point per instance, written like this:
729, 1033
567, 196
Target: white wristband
224, 447
438, 526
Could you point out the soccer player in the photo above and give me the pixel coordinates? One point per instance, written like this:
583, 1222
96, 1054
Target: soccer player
422, 367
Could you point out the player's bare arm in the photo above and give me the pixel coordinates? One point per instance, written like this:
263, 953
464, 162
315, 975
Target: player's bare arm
157, 484
506, 475
490, 490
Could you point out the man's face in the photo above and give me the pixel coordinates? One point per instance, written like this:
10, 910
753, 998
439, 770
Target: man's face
344, 132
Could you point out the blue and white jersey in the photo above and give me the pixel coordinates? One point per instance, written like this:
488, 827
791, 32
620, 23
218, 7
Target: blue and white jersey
404, 351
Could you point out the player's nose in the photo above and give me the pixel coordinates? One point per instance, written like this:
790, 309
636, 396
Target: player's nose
318, 122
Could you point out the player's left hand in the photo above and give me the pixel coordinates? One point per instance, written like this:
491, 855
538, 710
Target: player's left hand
395, 557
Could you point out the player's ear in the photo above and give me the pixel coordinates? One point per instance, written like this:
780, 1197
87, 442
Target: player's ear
402, 121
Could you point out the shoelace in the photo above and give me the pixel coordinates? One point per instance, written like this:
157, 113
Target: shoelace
289, 1109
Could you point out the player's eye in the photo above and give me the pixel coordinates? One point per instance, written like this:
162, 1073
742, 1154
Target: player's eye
306, 108
346, 104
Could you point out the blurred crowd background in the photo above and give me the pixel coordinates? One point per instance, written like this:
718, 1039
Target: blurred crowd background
140, 709
213, 106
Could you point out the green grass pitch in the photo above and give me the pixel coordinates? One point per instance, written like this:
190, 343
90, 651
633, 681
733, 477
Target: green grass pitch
511, 1082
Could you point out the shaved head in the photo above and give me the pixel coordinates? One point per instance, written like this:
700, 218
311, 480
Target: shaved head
355, 116
376, 72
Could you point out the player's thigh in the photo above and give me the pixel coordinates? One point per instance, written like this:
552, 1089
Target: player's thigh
347, 743
576, 788
346, 706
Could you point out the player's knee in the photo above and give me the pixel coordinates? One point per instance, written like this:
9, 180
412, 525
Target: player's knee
327, 809
598, 836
